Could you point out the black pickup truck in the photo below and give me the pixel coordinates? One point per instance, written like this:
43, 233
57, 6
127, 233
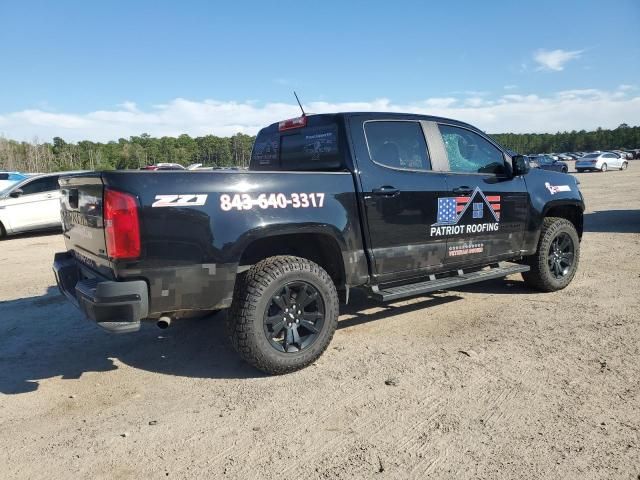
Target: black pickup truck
395, 204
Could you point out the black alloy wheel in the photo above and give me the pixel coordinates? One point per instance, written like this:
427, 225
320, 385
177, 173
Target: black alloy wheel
284, 314
561, 255
294, 317
556, 260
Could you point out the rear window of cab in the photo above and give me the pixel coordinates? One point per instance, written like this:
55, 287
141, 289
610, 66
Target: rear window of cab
307, 148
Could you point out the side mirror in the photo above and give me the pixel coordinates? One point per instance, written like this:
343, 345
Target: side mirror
16, 193
520, 165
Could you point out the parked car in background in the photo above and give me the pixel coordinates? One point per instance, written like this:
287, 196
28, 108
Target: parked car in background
164, 166
564, 157
545, 162
32, 203
602, 161
10, 178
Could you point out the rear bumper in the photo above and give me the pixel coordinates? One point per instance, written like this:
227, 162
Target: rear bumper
115, 306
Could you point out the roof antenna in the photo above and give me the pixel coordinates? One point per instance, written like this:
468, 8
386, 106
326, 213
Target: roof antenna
296, 95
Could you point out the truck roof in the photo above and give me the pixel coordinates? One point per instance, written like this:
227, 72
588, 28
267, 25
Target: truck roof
412, 116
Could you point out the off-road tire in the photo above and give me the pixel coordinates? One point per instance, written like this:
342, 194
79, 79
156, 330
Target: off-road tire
540, 276
253, 293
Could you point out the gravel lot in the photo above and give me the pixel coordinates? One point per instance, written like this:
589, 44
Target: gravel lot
488, 381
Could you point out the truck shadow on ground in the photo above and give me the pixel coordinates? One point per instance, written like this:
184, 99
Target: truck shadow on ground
612, 221
45, 337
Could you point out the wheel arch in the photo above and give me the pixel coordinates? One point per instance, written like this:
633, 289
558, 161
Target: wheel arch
318, 245
4, 231
569, 211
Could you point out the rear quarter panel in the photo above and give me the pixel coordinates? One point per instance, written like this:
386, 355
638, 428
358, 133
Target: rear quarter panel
191, 246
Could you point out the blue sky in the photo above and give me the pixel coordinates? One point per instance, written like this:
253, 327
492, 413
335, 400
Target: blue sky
102, 70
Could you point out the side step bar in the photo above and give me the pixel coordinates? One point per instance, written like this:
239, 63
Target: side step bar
393, 293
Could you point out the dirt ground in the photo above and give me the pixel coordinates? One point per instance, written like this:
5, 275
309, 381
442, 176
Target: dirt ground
488, 381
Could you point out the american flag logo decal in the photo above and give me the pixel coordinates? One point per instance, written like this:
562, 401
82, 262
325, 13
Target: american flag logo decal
451, 209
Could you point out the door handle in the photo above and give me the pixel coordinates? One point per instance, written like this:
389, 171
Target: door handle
463, 190
385, 191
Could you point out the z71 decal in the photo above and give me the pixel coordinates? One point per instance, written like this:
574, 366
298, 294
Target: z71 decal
244, 201
182, 200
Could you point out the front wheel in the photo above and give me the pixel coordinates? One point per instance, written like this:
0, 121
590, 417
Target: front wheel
603, 168
284, 314
555, 263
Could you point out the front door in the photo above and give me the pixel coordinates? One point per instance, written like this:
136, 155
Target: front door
399, 188
483, 214
38, 206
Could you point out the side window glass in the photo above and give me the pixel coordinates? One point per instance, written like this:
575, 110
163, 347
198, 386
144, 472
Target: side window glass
469, 152
40, 185
397, 144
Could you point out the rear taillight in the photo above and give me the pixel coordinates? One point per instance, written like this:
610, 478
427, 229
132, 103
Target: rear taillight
121, 225
298, 122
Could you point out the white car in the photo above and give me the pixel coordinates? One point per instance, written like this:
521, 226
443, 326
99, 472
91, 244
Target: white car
30, 204
602, 161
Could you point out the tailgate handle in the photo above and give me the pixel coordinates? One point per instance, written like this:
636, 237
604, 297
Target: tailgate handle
386, 191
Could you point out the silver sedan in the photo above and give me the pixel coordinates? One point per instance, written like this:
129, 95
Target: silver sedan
602, 161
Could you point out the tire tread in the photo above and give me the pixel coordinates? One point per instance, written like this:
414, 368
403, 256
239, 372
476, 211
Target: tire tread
539, 277
248, 292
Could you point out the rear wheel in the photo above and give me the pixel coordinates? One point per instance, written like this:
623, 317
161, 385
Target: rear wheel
284, 314
603, 168
556, 261
624, 166
565, 170
3, 232
579, 170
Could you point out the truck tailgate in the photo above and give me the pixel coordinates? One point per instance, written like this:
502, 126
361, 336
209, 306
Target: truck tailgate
82, 219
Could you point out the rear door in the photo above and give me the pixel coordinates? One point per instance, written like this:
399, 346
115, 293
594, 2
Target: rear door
483, 215
399, 187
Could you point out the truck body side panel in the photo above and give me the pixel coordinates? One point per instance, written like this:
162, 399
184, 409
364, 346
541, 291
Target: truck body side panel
195, 227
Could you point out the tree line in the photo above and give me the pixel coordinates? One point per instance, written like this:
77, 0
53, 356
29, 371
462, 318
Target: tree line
210, 150
622, 137
134, 152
